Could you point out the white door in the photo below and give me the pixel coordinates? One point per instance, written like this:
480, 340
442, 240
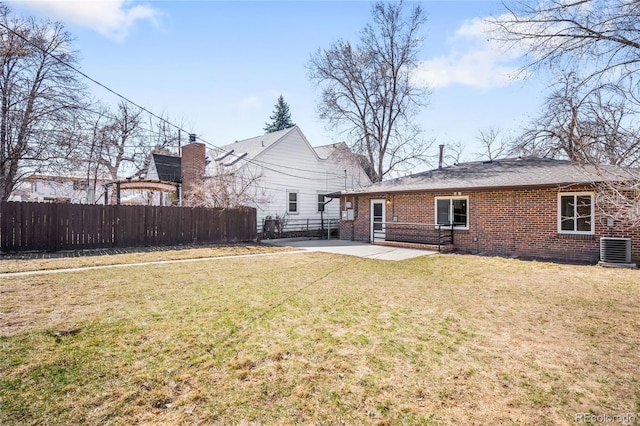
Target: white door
377, 220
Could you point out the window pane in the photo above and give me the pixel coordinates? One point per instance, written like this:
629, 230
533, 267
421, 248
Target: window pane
377, 209
460, 212
567, 213
320, 202
583, 211
293, 202
442, 214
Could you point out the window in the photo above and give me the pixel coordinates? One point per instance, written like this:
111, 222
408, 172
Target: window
292, 202
79, 185
320, 202
452, 211
575, 213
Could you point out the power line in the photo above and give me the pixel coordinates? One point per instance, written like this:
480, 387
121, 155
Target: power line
211, 145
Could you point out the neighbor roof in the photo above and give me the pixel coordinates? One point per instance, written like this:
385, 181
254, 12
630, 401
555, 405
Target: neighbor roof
168, 167
325, 151
497, 174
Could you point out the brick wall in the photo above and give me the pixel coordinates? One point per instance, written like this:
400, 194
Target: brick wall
521, 223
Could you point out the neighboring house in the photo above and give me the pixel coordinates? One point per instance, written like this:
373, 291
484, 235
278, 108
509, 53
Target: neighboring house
161, 185
283, 176
58, 189
159, 188
530, 208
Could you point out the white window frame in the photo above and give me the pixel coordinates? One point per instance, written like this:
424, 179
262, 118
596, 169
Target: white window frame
293, 191
451, 198
559, 213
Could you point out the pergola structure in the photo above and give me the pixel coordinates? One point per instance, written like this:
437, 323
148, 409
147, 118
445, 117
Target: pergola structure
144, 184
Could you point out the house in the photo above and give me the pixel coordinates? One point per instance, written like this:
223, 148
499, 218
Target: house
281, 175
159, 188
524, 207
59, 189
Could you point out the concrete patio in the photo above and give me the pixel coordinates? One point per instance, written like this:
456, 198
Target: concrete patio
351, 248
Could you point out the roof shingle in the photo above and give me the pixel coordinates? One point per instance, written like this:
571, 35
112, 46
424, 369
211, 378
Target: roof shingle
504, 173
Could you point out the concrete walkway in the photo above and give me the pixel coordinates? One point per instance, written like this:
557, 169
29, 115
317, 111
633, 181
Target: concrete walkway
352, 248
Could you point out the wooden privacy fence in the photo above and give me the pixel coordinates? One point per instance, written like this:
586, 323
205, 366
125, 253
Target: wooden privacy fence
53, 227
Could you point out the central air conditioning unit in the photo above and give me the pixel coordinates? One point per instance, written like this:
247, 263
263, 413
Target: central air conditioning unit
615, 250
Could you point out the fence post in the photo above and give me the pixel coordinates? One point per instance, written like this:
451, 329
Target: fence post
3, 226
116, 218
55, 227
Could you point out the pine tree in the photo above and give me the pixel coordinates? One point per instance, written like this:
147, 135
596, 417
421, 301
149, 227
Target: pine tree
281, 118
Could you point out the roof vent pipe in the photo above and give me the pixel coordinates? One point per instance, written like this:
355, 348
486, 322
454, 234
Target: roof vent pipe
440, 157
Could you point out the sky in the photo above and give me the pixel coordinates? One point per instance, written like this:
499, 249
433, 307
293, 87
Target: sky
218, 67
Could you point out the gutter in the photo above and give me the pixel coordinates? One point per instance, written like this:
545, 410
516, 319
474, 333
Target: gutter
461, 189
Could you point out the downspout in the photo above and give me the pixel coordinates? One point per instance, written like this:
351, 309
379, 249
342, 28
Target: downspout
353, 222
328, 220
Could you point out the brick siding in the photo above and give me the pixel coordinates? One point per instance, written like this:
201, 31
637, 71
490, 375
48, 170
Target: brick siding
515, 223
193, 167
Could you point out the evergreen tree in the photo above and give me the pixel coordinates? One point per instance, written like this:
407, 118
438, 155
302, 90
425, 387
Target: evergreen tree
281, 118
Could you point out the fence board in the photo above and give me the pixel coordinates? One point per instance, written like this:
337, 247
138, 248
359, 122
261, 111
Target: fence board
52, 227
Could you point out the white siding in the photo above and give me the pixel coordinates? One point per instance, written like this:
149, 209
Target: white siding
291, 165
51, 189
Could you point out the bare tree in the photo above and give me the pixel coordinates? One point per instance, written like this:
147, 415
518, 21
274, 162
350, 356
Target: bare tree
594, 46
367, 92
122, 142
228, 189
591, 116
600, 37
39, 98
595, 126
89, 156
494, 146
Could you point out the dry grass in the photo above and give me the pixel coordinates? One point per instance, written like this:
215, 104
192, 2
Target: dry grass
15, 263
322, 339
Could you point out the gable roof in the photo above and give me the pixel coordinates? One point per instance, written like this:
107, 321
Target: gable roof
507, 173
168, 167
252, 147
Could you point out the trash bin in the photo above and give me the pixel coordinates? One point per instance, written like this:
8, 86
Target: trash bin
269, 228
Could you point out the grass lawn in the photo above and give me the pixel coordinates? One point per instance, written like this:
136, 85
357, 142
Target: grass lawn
14, 263
316, 338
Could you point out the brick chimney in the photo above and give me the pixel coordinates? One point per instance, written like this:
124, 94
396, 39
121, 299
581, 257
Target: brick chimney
193, 167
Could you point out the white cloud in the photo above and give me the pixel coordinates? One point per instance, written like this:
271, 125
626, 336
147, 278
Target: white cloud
112, 18
473, 61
